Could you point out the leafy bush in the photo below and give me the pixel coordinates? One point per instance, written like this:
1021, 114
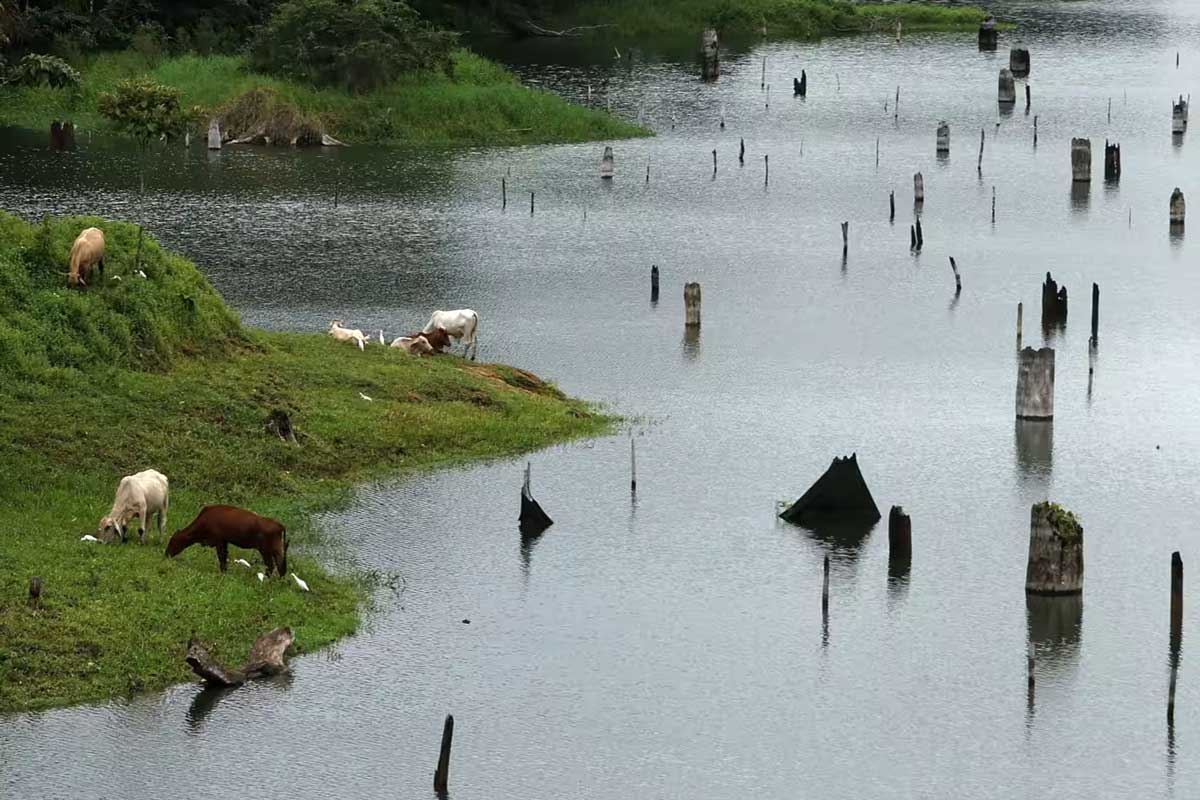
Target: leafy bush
43, 70
356, 44
148, 43
144, 109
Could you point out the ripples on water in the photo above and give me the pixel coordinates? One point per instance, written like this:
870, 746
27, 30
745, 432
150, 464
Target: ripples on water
672, 647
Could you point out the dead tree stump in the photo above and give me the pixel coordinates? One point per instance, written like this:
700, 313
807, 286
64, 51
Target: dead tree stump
1054, 303
691, 305
710, 58
1112, 162
1055, 551
1035, 384
1007, 90
943, 137
280, 424
1178, 210
35, 591
1018, 62
899, 535
606, 164
1081, 160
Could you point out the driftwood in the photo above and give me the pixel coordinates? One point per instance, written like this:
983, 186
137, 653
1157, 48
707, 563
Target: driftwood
533, 29
266, 658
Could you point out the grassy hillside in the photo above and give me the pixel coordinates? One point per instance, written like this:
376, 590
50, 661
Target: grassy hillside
806, 19
158, 372
478, 103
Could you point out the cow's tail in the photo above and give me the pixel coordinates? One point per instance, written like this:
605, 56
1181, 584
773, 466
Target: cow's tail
283, 560
474, 333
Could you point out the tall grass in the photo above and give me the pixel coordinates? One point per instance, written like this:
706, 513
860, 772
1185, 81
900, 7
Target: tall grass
477, 103
806, 19
102, 382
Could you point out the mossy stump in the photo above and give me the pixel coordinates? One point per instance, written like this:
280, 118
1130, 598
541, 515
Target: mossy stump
1055, 551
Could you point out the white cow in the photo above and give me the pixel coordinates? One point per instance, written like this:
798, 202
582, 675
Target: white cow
462, 324
414, 345
347, 334
138, 496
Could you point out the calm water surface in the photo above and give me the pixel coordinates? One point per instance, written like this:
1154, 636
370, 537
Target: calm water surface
672, 646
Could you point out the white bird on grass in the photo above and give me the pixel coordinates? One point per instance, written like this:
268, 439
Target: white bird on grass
243, 562
261, 577
364, 397
87, 537
381, 336
299, 582
142, 273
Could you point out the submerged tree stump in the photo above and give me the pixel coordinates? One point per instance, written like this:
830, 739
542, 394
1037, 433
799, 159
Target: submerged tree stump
1055, 551
1179, 116
1081, 160
606, 164
989, 37
691, 305
266, 658
1054, 303
1035, 384
1112, 162
533, 520
1018, 62
899, 535
710, 56
1178, 210
1007, 91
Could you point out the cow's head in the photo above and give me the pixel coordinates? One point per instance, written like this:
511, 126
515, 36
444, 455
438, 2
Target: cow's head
110, 530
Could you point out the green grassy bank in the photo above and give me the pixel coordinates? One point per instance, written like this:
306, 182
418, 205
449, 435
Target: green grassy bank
478, 103
158, 372
805, 19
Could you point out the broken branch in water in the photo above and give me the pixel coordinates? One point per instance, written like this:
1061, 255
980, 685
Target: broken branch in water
266, 658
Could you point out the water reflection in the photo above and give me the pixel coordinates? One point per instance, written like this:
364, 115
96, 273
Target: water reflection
691, 341
1055, 625
845, 537
1081, 196
1034, 445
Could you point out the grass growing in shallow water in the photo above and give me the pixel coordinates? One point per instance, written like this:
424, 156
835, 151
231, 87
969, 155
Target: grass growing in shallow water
130, 374
805, 19
478, 103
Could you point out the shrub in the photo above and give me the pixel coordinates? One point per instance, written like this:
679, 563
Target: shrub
356, 44
43, 70
148, 43
144, 109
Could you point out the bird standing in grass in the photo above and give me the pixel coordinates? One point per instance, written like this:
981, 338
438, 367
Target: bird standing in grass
299, 582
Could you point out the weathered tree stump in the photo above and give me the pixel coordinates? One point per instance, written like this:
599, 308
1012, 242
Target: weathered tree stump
989, 37
280, 424
1055, 551
1178, 210
899, 535
1007, 91
691, 305
1018, 62
266, 658
1081, 160
1179, 115
1054, 303
214, 135
1035, 384
918, 189
1112, 162
606, 164
943, 137
710, 57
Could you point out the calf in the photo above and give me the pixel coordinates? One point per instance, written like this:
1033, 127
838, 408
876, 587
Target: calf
347, 334
138, 495
221, 526
421, 344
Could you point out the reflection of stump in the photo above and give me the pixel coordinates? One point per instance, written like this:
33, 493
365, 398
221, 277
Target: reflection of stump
918, 188
1007, 92
1035, 445
1035, 384
943, 137
214, 135
1081, 160
1018, 62
1055, 551
606, 164
989, 37
710, 58
691, 305
1178, 210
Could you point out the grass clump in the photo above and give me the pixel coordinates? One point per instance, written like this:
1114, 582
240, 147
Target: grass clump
476, 102
804, 19
1063, 521
127, 375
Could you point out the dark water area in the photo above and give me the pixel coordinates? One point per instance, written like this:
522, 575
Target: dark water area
672, 645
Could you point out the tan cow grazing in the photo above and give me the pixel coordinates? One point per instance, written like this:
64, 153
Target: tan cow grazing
138, 495
86, 252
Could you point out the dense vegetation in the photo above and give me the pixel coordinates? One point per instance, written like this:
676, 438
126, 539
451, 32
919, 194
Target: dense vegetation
158, 372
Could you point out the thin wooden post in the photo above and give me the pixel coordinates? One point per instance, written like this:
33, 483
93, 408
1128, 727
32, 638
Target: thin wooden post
742, 152
763, 85
825, 590
531, 204
920, 235
766, 170
845, 237
1028, 98
1110, 109
632, 464
714, 154
654, 284
876, 152
1095, 313
441, 777
982, 137
1176, 601
957, 277
1171, 697
896, 107
503, 193
1035, 119
1020, 318
892, 206
993, 204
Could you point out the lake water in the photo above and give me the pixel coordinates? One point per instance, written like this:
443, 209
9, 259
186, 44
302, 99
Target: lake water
673, 645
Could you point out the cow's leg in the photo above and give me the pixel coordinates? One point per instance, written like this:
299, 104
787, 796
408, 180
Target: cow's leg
142, 520
222, 555
268, 557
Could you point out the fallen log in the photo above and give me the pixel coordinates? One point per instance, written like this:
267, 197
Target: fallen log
266, 658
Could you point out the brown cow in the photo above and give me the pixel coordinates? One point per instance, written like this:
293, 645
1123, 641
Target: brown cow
221, 526
438, 339
419, 344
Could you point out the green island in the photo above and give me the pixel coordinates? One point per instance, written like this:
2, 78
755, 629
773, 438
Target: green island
158, 372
